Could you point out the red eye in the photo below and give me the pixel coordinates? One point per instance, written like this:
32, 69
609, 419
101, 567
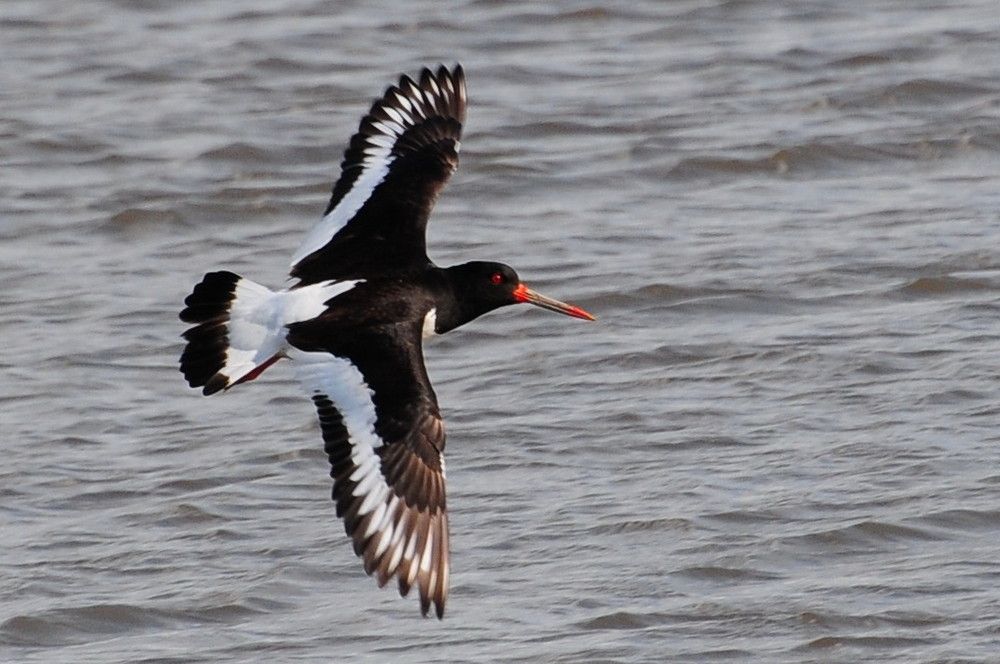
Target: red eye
496, 279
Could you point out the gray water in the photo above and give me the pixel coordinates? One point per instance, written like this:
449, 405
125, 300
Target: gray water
778, 443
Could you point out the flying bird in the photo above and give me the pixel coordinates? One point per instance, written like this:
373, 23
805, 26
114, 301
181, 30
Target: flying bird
364, 297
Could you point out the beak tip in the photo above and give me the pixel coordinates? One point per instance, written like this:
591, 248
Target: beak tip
526, 295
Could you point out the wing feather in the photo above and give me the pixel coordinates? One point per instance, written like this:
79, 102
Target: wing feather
405, 150
388, 478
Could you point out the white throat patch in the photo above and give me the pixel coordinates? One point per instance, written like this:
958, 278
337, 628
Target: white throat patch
430, 323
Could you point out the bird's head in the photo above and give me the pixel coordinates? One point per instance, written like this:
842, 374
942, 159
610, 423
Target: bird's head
481, 287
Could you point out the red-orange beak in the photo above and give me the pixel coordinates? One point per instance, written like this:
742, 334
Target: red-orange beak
524, 294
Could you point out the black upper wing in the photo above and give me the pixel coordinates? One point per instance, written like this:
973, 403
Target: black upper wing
385, 440
404, 152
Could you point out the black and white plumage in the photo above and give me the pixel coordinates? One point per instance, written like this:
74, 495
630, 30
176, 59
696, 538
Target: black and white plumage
366, 295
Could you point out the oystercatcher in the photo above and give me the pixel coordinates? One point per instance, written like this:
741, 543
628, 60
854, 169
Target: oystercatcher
366, 296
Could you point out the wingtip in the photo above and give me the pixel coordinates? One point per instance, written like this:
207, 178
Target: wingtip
452, 79
427, 602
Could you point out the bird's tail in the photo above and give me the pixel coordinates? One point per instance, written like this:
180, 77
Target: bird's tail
235, 337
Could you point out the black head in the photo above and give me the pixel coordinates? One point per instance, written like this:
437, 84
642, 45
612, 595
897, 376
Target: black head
480, 287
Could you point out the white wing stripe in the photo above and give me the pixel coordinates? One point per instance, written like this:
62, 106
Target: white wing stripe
389, 128
376, 170
395, 543
435, 91
377, 495
384, 535
403, 101
382, 523
416, 99
411, 546
398, 115
341, 382
384, 144
373, 488
375, 521
367, 464
425, 558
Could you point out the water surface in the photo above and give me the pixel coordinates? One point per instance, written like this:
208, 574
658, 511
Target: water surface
777, 444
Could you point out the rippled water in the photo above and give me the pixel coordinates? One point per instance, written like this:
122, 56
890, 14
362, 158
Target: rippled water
777, 444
